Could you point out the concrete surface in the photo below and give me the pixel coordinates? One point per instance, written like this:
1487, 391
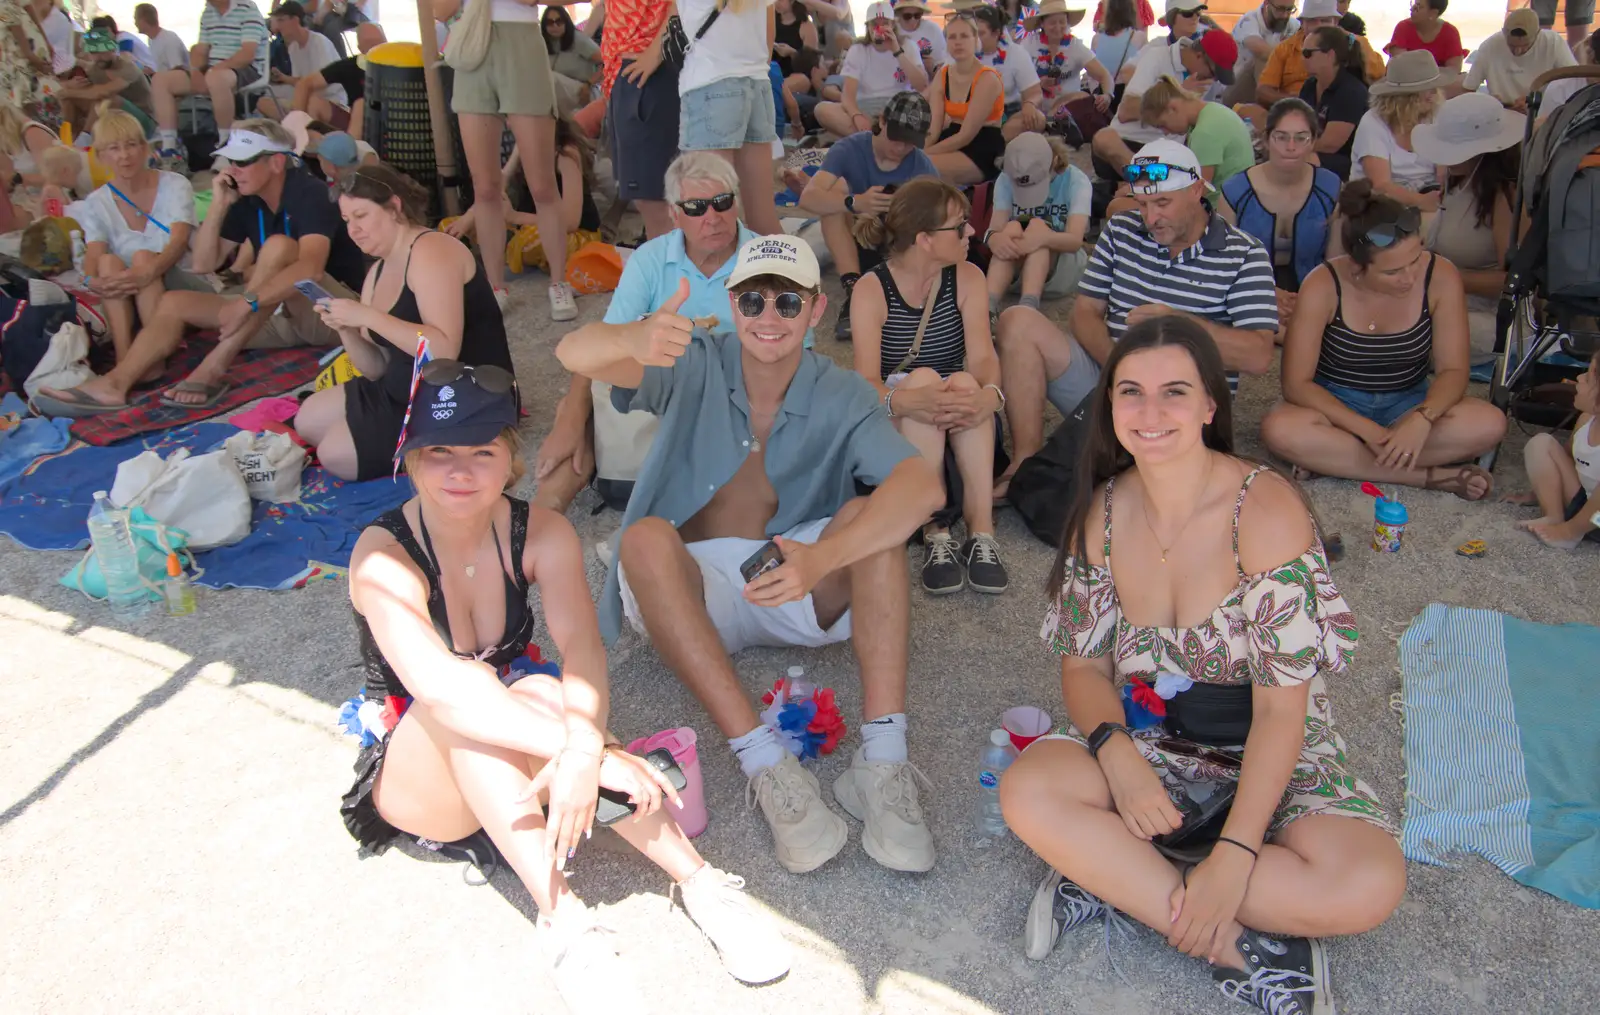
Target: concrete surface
170, 840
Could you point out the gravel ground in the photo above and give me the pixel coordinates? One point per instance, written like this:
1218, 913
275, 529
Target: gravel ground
170, 838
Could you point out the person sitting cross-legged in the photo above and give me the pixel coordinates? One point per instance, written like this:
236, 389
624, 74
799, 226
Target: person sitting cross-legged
485, 735
762, 440
859, 176
1369, 329
1173, 255
295, 234
1220, 597
922, 340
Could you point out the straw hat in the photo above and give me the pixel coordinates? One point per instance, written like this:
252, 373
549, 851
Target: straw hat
1073, 9
1412, 72
1468, 126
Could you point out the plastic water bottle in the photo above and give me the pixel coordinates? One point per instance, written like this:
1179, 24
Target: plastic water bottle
997, 756
119, 559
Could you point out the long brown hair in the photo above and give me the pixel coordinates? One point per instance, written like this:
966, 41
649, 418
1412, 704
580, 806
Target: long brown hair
919, 206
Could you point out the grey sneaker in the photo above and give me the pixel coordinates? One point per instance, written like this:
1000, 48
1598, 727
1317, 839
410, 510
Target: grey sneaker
1058, 906
563, 306
985, 573
1287, 975
941, 571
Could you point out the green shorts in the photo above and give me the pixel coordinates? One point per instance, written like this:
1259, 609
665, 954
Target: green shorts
514, 78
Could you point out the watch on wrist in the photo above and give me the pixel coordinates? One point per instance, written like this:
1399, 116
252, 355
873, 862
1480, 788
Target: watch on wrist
1104, 732
850, 203
252, 299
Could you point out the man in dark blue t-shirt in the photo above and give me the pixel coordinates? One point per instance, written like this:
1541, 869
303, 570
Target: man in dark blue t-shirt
859, 176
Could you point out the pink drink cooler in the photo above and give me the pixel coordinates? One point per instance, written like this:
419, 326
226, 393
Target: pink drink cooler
681, 742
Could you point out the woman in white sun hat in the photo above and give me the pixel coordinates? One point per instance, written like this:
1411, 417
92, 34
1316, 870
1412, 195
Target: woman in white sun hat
1407, 97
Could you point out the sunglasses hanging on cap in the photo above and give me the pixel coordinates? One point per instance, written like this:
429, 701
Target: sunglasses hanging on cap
493, 379
694, 207
788, 304
1386, 234
1154, 172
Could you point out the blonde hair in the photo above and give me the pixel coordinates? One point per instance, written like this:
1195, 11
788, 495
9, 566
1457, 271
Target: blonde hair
1404, 111
512, 439
1155, 100
1063, 155
114, 126
61, 165
12, 124
918, 207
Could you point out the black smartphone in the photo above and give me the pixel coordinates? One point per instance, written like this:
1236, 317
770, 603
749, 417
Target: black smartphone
1202, 824
613, 806
760, 562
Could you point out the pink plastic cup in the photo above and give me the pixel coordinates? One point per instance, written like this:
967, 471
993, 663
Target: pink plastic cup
1025, 724
681, 742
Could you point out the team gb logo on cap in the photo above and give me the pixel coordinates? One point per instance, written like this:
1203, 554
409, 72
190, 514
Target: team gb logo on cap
444, 408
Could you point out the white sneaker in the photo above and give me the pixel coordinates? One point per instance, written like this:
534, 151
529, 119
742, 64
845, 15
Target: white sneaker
563, 306
591, 978
806, 834
883, 796
752, 949
502, 296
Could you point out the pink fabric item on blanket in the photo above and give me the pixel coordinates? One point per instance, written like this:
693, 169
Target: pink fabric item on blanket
266, 413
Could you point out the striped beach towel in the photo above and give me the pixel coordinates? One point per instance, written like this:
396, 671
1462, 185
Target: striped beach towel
1502, 747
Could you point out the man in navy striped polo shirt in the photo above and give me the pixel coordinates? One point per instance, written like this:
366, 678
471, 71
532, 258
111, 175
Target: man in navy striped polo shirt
1174, 255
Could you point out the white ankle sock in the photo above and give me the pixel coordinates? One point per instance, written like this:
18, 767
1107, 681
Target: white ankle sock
884, 738
758, 749
169, 138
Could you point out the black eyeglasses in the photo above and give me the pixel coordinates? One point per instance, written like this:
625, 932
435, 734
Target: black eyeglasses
1189, 749
909, 15
1384, 235
495, 380
694, 207
1154, 172
958, 227
753, 304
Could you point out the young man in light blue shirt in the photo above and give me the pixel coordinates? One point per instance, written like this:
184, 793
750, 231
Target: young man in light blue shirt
762, 449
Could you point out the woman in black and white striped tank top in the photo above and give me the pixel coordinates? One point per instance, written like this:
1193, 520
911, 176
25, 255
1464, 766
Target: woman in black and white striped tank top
943, 391
1376, 362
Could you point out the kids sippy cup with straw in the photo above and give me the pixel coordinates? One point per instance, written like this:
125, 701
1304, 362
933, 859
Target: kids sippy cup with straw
1389, 519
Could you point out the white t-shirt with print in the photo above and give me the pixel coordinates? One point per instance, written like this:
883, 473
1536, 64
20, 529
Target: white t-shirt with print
1253, 25
1015, 65
735, 46
878, 75
1374, 138
100, 215
929, 42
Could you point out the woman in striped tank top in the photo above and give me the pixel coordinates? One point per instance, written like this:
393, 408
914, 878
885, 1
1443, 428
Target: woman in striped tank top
1368, 331
945, 388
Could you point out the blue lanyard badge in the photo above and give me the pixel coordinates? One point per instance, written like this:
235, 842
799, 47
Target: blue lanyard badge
261, 226
142, 213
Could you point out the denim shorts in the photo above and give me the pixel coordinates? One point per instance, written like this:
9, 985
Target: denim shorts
727, 114
1382, 407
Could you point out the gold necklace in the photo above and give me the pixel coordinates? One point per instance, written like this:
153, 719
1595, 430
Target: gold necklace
1145, 512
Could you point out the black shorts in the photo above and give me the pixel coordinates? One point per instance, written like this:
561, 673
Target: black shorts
1579, 505
986, 149
374, 420
808, 111
642, 125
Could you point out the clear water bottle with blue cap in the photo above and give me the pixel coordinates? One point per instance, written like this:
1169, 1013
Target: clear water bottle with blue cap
998, 754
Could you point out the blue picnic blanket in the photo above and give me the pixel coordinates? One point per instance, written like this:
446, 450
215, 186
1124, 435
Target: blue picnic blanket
47, 508
30, 439
1502, 746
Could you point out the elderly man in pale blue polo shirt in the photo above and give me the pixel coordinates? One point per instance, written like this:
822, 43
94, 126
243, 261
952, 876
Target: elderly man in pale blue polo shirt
703, 190
762, 446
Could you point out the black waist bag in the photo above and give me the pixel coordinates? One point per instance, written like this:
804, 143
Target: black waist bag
1212, 714
1045, 483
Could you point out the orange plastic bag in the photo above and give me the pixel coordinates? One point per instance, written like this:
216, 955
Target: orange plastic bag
595, 268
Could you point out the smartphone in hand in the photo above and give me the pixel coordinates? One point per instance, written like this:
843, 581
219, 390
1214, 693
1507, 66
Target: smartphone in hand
762, 561
613, 806
311, 291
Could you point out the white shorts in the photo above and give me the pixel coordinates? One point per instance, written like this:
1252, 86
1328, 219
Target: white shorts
740, 623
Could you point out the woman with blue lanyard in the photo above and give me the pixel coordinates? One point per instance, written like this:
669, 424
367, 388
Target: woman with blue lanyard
135, 228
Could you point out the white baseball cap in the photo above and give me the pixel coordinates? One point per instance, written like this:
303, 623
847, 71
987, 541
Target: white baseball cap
781, 255
880, 9
1319, 9
1167, 152
244, 145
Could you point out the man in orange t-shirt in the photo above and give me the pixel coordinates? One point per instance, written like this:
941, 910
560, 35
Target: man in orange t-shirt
1285, 71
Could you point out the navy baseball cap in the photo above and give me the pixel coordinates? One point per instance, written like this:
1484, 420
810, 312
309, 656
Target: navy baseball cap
459, 406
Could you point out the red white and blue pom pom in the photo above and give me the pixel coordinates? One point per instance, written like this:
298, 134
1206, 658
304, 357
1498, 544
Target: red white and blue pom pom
1142, 708
367, 719
807, 721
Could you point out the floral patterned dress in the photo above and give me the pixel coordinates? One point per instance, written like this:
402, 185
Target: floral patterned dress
1286, 626
20, 84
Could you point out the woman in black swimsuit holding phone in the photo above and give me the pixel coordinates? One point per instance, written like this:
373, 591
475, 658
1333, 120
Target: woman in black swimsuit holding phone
440, 293
469, 739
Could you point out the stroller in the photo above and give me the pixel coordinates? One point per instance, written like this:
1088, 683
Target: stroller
1548, 320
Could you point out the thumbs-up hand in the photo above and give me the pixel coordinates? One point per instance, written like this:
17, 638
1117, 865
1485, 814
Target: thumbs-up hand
661, 338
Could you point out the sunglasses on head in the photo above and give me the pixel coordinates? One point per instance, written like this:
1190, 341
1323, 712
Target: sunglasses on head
1190, 749
1154, 172
349, 183
1188, 14
753, 304
1384, 235
493, 379
694, 207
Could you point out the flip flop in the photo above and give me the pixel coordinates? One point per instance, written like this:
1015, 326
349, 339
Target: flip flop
1456, 482
73, 404
213, 394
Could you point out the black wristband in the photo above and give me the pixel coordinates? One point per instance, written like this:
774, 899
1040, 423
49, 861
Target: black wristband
1236, 842
1102, 733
